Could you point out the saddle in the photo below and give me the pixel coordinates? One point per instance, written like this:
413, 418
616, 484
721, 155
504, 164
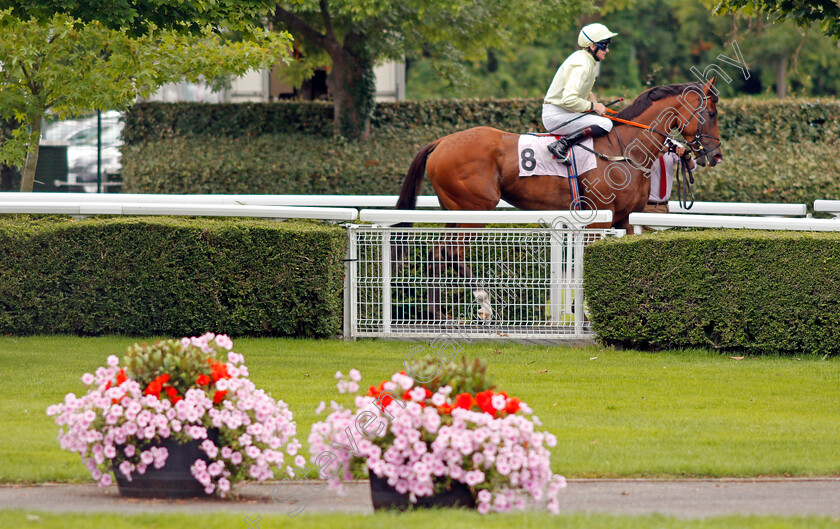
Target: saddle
535, 159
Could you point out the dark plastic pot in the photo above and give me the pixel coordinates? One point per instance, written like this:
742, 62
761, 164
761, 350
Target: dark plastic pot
174, 480
385, 496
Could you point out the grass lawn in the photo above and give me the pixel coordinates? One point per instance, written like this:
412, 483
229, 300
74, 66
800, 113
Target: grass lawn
615, 413
430, 519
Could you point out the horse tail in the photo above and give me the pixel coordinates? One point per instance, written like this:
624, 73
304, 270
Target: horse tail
408, 200
414, 178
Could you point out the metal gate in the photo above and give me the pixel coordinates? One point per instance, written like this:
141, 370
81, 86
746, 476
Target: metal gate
524, 283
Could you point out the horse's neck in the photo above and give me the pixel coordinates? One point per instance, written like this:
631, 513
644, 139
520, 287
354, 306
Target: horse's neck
657, 117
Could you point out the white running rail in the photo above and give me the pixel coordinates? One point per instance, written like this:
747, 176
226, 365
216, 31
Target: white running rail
828, 206
741, 208
338, 201
198, 209
670, 220
545, 217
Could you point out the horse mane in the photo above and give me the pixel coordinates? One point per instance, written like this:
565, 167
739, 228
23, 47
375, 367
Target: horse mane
646, 98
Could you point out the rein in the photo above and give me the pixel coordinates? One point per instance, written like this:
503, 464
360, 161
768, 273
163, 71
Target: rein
621, 158
683, 179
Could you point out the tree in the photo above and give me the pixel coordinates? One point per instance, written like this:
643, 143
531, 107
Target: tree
143, 16
352, 35
659, 41
67, 67
803, 12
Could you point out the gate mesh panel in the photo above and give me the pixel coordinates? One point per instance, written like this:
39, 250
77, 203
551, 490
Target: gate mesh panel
512, 282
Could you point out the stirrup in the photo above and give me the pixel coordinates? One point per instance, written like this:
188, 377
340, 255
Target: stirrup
559, 155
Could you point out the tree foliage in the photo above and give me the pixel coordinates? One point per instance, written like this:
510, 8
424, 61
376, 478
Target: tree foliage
66, 67
659, 42
353, 35
826, 13
144, 16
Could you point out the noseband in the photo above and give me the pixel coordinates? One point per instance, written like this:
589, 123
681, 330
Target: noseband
696, 144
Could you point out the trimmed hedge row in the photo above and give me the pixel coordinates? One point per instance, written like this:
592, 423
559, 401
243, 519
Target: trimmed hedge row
780, 151
148, 121
787, 120
270, 164
755, 291
766, 170
169, 276
145, 121
754, 170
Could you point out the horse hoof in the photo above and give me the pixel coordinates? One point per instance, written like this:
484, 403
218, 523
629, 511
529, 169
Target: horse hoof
481, 295
438, 315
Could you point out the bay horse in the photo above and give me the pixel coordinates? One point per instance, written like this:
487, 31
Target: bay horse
475, 168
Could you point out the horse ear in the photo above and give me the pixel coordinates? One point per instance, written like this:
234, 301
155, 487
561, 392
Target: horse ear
712, 81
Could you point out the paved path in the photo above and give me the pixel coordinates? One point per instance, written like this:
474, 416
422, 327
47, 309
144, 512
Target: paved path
682, 498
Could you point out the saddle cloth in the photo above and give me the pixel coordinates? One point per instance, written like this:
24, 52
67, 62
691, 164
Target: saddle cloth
534, 158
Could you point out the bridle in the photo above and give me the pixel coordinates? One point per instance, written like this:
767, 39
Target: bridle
696, 144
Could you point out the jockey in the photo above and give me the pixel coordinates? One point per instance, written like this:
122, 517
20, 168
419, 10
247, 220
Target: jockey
570, 94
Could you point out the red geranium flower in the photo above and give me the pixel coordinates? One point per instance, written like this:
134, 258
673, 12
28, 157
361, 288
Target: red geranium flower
156, 385
386, 400
465, 401
219, 371
512, 405
485, 402
153, 388
121, 377
202, 380
219, 396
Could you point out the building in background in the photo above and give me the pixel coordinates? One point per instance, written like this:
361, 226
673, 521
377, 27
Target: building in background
265, 85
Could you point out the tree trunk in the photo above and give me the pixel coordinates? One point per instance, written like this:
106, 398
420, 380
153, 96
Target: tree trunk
27, 179
352, 87
781, 78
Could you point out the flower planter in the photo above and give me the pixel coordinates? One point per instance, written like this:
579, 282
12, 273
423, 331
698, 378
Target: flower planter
182, 388
385, 496
410, 432
173, 480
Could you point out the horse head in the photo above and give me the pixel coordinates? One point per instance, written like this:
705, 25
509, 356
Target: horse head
701, 126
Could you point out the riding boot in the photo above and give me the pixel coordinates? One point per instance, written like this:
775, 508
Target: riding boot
560, 148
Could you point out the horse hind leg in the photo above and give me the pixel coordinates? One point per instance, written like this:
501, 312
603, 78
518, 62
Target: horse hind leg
436, 267
479, 292
451, 253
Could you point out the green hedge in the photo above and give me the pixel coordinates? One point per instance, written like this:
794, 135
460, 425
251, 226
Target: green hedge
785, 120
269, 164
149, 121
753, 291
766, 170
169, 276
779, 151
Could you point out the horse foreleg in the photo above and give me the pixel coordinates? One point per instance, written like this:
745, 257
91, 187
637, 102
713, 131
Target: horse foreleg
624, 224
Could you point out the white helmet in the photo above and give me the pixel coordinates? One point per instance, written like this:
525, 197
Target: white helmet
594, 33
